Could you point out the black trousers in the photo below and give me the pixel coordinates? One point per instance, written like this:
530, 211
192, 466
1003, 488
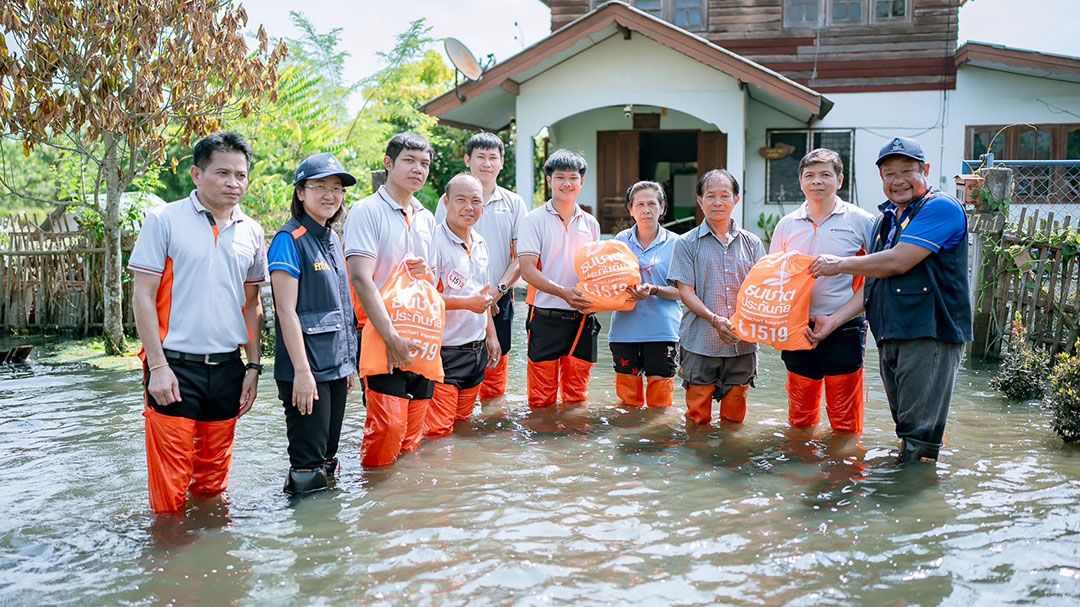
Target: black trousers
552, 332
313, 438
840, 353
208, 393
504, 321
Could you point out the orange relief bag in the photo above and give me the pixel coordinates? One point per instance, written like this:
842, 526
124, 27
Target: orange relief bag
774, 302
604, 271
418, 313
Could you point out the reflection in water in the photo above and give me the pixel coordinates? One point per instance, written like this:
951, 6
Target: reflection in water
574, 504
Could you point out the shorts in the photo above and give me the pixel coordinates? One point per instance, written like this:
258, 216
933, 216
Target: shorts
651, 358
724, 372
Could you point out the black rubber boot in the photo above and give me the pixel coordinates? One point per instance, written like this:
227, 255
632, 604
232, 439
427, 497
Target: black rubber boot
302, 482
915, 453
330, 467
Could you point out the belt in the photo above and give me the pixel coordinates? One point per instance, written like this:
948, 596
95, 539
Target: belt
206, 359
562, 314
476, 345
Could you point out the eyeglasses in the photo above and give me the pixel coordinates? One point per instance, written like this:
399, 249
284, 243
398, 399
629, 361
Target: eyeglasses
322, 190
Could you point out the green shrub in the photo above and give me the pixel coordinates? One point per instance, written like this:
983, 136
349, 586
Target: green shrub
1064, 396
1024, 368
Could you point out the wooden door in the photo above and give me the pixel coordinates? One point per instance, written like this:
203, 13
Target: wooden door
618, 167
711, 154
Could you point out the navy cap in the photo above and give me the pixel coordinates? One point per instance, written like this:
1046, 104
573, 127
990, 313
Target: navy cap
901, 146
318, 166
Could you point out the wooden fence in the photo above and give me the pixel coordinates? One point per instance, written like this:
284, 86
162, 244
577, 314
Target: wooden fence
51, 276
1031, 268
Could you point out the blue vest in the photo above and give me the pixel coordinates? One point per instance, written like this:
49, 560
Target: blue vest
931, 300
323, 305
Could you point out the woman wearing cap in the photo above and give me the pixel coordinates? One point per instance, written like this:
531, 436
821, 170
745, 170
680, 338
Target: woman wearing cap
315, 359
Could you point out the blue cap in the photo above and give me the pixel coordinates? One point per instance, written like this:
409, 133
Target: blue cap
901, 146
318, 166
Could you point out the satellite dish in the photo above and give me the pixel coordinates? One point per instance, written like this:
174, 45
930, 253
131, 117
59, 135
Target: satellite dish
463, 59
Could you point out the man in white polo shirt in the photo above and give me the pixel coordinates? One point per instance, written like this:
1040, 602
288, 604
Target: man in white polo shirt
198, 264
382, 230
825, 224
469, 340
562, 339
499, 225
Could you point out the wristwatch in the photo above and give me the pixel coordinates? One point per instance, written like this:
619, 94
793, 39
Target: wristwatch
258, 368
502, 289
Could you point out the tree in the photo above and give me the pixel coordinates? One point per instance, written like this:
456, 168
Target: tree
112, 82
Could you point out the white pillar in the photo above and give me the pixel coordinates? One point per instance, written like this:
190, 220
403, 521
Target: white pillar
523, 150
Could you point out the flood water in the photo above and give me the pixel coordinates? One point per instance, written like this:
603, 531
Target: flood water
584, 505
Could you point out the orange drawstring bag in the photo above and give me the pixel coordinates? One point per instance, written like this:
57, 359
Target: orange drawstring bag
604, 271
418, 313
774, 302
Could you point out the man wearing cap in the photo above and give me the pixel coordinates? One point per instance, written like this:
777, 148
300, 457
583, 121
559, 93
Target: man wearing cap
198, 264
381, 231
916, 297
498, 225
315, 357
826, 224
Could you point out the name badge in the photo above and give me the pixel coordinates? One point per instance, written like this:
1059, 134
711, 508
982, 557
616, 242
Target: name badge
456, 280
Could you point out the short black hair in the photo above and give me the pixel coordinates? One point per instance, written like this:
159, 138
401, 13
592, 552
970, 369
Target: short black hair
221, 141
646, 185
296, 209
408, 141
484, 141
565, 160
717, 174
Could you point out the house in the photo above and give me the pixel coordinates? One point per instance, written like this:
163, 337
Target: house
666, 89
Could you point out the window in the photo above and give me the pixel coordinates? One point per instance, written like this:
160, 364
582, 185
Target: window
1021, 142
690, 15
806, 13
782, 176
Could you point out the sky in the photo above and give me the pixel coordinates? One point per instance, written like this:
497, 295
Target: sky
505, 27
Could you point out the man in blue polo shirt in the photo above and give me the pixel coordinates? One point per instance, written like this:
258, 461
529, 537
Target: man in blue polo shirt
916, 296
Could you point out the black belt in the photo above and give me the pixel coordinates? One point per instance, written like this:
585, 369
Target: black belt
561, 314
476, 345
206, 359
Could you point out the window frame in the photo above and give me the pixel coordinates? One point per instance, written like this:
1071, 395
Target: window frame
667, 9
1059, 138
869, 16
848, 168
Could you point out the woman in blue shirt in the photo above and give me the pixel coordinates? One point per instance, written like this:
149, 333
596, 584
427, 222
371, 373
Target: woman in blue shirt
315, 361
644, 341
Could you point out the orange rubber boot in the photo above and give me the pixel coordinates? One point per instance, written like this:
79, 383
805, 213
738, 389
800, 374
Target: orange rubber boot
495, 379
574, 376
660, 392
414, 429
733, 405
384, 429
630, 389
213, 457
440, 415
844, 401
542, 382
170, 457
804, 400
699, 403
466, 402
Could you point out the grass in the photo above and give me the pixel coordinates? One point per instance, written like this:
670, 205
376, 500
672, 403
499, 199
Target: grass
88, 351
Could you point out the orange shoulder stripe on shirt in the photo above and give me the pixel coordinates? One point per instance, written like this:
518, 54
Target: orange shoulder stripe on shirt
298, 232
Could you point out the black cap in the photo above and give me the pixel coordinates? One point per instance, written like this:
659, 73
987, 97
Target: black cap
318, 166
901, 146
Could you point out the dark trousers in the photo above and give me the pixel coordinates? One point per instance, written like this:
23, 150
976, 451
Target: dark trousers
208, 393
919, 376
313, 438
840, 353
504, 321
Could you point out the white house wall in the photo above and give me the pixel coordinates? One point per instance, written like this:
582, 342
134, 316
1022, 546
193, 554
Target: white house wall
982, 97
578, 133
617, 72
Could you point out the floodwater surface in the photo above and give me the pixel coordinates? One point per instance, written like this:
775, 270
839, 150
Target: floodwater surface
591, 504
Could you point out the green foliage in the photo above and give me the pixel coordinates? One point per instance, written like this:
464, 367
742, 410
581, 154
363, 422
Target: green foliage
1064, 396
992, 203
1023, 370
767, 224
